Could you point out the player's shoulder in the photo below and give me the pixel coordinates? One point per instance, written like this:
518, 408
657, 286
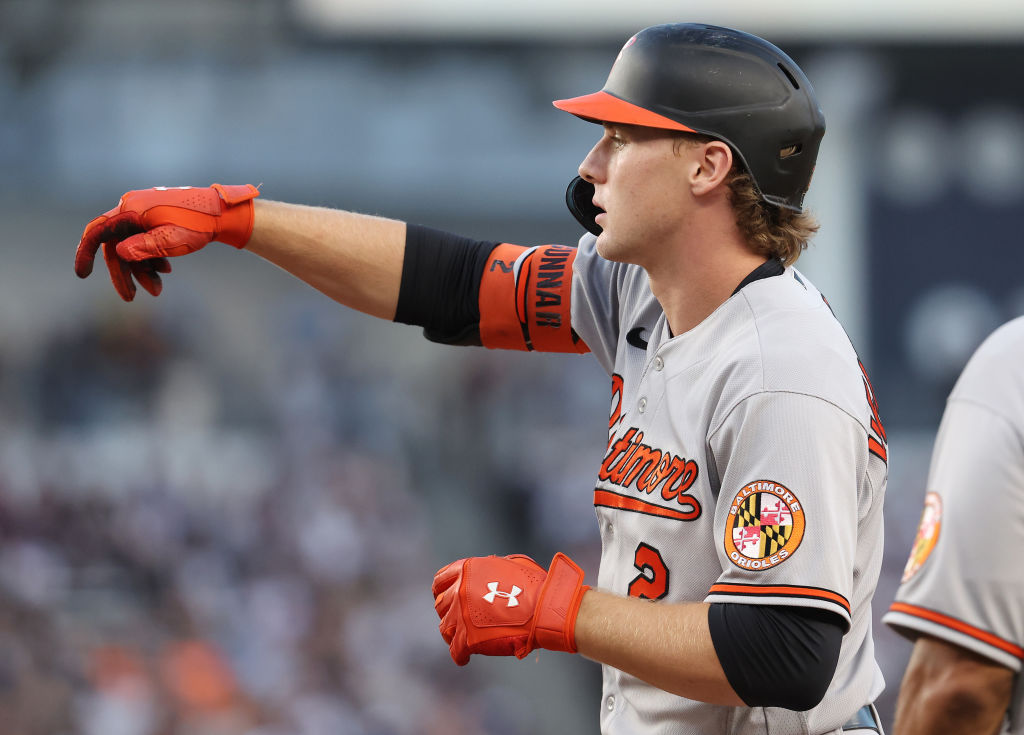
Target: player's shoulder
801, 346
993, 374
1002, 349
799, 338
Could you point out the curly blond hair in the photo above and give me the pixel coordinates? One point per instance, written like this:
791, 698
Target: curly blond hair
774, 232
770, 230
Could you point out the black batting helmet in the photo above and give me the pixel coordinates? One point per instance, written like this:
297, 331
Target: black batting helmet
720, 82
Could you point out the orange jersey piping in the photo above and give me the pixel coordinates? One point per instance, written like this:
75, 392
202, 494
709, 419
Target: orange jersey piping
959, 626
815, 593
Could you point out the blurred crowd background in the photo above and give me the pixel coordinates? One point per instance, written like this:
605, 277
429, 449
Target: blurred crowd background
220, 511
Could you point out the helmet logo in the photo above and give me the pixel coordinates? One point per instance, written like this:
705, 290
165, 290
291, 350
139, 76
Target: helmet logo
629, 43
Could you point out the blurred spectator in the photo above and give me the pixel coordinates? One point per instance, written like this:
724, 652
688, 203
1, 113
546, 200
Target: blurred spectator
177, 561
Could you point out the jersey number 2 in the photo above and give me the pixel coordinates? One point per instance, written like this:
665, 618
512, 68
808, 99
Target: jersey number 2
652, 582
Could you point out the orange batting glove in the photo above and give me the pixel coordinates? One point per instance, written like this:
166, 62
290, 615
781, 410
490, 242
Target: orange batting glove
508, 605
149, 225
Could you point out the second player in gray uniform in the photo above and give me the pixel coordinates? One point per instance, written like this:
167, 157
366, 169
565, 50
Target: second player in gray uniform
962, 595
740, 497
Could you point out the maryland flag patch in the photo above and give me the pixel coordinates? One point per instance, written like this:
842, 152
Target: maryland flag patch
765, 526
927, 535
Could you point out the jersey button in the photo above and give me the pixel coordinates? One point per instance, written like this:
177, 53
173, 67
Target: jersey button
659, 364
610, 702
641, 405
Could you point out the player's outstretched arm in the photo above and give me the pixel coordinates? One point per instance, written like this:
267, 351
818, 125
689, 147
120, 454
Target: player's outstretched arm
947, 688
355, 259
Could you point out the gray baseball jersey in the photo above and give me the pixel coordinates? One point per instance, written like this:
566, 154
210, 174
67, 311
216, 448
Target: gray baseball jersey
746, 464
963, 581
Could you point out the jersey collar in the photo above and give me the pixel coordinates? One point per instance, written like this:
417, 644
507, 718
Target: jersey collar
767, 269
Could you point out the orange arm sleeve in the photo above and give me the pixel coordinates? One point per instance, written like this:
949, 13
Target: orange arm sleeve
525, 299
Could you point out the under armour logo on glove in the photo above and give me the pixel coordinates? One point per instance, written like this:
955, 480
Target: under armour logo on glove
495, 592
540, 611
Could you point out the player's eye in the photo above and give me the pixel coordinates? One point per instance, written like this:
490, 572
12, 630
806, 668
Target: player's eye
615, 136
617, 141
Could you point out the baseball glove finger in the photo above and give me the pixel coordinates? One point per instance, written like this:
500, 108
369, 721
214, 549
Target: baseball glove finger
162, 241
447, 577
147, 273
120, 272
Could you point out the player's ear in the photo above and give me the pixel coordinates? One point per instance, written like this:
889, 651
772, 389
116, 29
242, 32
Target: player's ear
713, 162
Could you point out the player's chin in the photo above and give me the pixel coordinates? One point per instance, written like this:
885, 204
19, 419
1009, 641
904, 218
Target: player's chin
605, 247
608, 248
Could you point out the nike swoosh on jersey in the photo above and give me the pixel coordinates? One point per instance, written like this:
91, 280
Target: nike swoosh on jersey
635, 337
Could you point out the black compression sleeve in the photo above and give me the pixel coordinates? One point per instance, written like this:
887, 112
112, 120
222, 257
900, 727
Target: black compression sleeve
441, 285
776, 656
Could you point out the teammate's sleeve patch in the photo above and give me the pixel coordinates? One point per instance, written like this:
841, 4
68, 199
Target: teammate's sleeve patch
525, 299
927, 535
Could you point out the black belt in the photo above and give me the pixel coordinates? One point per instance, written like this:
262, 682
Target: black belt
864, 719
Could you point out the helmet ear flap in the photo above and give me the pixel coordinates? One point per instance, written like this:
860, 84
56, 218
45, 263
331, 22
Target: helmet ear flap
579, 197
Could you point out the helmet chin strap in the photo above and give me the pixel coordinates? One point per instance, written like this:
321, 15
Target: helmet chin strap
579, 197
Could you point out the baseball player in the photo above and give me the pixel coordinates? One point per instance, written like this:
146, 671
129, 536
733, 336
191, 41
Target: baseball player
740, 495
962, 595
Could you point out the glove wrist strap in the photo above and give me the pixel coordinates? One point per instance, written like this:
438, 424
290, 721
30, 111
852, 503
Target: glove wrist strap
554, 623
236, 220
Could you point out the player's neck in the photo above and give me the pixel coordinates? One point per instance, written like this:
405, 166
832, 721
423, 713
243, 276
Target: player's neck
700, 276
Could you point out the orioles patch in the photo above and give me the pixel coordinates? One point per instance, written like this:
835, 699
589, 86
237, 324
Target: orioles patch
927, 535
765, 526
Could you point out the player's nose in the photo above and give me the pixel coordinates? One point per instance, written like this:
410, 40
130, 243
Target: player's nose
591, 168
